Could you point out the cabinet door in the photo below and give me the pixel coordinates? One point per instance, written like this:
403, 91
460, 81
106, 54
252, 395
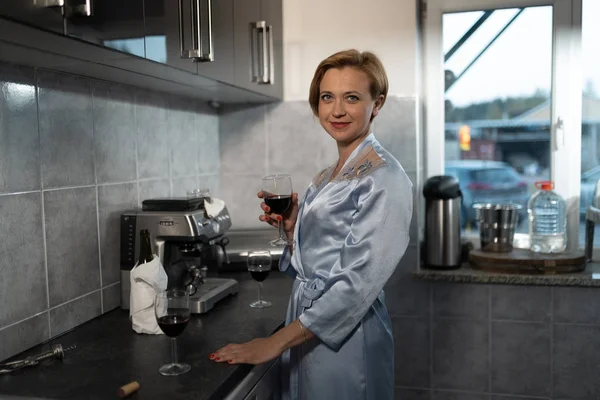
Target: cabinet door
258, 48
272, 12
222, 66
162, 36
244, 13
43, 14
111, 23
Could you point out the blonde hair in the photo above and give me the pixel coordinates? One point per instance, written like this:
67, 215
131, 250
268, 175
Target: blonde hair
365, 61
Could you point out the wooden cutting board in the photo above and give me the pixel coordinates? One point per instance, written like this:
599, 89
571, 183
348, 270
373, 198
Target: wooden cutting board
521, 261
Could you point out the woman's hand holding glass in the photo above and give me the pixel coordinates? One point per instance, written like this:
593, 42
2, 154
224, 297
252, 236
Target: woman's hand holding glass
287, 219
276, 192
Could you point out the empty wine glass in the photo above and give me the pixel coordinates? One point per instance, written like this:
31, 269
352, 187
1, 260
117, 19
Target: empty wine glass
259, 265
172, 310
277, 195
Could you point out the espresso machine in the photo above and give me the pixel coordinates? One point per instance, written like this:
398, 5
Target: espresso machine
187, 241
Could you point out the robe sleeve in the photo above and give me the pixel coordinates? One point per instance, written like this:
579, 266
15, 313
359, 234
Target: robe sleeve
377, 240
285, 263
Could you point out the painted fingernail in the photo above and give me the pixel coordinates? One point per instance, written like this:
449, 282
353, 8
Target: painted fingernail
217, 359
230, 361
211, 356
268, 209
279, 218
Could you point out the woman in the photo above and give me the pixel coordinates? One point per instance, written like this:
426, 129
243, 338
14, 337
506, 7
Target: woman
350, 232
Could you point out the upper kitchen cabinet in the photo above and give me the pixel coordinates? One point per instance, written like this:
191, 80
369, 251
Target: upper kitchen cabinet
192, 35
115, 24
42, 14
259, 46
218, 50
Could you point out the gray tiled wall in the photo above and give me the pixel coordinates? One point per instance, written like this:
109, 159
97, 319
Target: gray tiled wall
493, 342
74, 154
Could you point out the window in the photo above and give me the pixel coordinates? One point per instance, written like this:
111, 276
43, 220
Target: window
500, 82
590, 112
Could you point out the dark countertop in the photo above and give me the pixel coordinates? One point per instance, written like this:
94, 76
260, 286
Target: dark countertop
110, 354
590, 277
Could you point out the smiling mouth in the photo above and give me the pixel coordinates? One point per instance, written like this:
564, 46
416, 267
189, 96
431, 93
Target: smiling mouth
339, 124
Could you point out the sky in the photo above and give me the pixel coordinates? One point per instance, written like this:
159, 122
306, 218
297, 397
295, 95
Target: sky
519, 61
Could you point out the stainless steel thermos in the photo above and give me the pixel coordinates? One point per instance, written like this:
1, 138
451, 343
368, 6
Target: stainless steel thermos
443, 198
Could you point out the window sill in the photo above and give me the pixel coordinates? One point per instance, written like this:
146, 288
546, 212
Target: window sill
590, 277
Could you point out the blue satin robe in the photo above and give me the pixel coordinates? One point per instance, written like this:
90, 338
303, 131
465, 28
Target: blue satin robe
351, 233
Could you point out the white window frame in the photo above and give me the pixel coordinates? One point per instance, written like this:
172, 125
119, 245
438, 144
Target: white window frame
566, 91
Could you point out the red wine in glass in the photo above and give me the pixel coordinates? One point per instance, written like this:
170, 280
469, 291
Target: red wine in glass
259, 276
259, 265
278, 204
173, 325
172, 310
277, 194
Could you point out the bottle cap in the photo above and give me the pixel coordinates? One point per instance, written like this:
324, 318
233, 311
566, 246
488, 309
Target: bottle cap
544, 185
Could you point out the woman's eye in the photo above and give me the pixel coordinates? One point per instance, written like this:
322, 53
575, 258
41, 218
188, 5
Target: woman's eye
326, 97
352, 98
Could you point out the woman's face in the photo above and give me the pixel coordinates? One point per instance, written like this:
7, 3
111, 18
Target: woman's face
345, 104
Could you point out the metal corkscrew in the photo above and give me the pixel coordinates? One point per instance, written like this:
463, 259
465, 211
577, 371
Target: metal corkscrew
57, 351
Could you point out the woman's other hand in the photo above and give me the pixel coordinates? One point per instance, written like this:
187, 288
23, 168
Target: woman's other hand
256, 351
288, 219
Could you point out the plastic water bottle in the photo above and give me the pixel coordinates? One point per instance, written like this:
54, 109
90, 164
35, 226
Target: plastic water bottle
547, 220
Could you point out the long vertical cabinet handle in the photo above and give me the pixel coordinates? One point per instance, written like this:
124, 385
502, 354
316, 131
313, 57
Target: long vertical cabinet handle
262, 49
271, 56
48, 3
209, 56
85, 9
254, 56
197, 53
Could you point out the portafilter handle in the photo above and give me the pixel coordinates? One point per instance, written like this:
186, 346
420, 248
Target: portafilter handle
195, 279
222, 243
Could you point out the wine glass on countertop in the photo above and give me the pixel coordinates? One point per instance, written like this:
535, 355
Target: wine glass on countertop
172, 309
277, 195
259, 266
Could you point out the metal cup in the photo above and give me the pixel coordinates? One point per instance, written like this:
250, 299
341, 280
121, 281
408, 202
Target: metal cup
497, 223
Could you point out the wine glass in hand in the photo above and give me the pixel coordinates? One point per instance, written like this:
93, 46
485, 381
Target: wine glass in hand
259, 265
277, 195
172, 309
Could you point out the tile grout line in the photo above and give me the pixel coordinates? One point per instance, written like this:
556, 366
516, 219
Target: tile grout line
75, 299
137, 136
44, 244
26, 319
111, 285
490, 327
267, 164
55, 189
552, 327
20, 193
169, 117
45, 247
458, 391
97, 193
431, 339
197, 133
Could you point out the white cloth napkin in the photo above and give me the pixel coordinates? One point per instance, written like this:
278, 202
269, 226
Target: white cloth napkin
213, 206
146, 281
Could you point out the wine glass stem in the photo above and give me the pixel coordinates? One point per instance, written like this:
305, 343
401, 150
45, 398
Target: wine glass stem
281, 232
259, 291
174, 350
